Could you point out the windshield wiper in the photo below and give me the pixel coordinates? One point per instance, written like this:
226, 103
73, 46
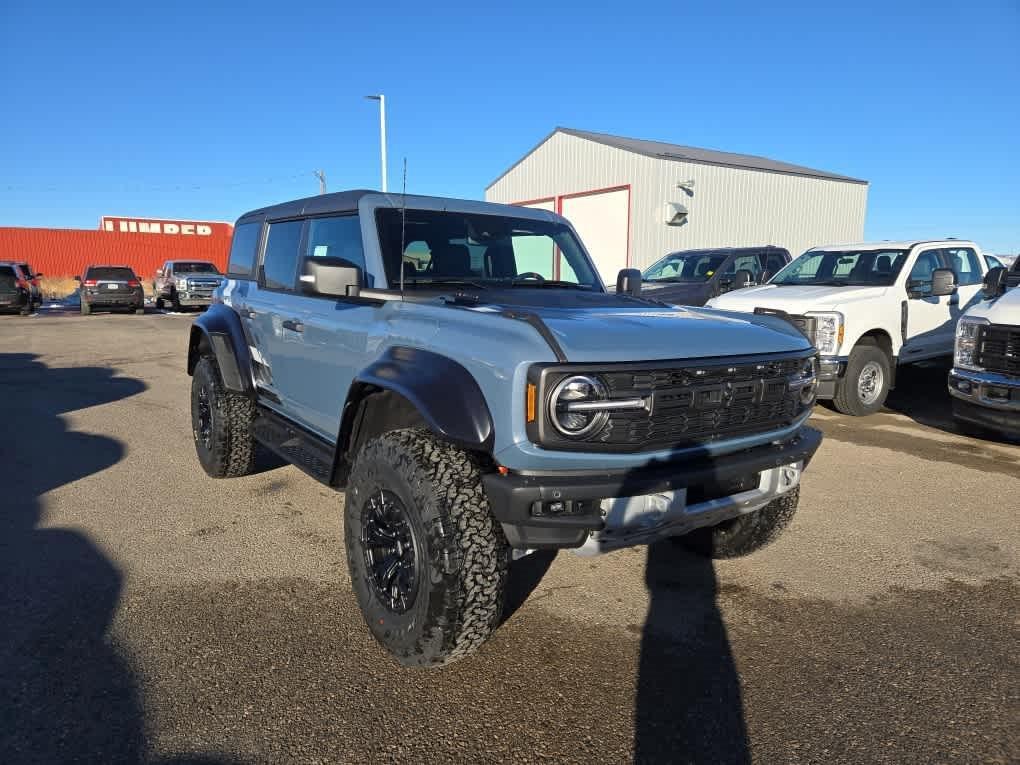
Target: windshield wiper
548, 283
450, 280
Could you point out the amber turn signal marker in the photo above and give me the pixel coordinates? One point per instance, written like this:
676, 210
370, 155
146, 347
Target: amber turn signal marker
531, 402
503, 470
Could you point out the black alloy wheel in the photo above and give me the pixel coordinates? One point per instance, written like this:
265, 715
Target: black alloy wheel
391, 551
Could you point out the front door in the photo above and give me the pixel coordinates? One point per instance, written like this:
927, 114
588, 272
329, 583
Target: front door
928, 317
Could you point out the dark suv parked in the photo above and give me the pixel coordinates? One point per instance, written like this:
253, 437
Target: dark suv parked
111, 288
15, 289
693, 277
420, 354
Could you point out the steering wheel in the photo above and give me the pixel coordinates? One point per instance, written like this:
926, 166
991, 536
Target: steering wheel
529, 275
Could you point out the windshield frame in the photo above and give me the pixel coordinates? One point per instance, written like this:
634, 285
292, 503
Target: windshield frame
900, 258
724, 256
563, 236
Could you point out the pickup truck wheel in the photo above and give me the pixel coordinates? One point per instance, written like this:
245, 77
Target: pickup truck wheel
745, 534
428, 561
175, 301
159, 304
221, 424
863, 389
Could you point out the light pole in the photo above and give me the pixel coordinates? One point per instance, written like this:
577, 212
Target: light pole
382, 133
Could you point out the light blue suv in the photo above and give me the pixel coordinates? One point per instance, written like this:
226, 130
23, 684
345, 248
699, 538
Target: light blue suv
460, 371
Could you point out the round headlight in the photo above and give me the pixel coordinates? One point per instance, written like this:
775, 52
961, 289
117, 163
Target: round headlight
568, 406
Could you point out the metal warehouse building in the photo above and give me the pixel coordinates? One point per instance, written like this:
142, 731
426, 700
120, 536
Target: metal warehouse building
633, 201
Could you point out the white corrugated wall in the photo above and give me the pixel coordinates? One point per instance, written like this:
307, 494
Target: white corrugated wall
729, 206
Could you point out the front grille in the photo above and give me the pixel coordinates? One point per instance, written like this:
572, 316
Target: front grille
690, 404
999, 348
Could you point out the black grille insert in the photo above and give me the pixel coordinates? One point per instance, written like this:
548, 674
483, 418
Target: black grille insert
998, 348
689, 402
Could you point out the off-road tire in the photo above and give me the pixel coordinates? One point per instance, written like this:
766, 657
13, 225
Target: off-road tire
462, 554
159, 304
86, 309
745, 534
846, 399
231, 452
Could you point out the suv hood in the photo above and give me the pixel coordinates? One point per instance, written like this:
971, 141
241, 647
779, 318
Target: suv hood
796, 299
618, 328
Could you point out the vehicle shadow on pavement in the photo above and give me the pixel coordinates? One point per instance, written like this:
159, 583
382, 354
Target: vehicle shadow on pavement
66, 692
688, 706
922, 394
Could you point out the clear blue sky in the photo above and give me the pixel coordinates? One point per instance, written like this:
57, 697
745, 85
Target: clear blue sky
189, 110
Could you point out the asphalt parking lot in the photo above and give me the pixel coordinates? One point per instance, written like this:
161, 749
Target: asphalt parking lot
150, 613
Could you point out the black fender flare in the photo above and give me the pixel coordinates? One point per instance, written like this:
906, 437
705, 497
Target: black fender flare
220, 330
443, 392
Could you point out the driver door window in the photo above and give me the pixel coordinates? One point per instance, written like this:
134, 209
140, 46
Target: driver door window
924, 267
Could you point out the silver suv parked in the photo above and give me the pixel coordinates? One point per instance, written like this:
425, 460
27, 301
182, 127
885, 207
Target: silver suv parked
459, 370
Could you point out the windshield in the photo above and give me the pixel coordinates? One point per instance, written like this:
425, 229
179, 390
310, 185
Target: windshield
110, 273
685, 267
838, 268
195, 268
481, 251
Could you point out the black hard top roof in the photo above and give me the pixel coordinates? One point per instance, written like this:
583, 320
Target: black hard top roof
338, 202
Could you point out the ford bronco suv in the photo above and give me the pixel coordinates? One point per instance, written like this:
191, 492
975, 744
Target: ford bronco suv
869, 308
985, 379
417, 354
185, 283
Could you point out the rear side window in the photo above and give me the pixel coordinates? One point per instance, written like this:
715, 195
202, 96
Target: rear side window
242, 249
7, 276
336, 238
110, 273
279, 264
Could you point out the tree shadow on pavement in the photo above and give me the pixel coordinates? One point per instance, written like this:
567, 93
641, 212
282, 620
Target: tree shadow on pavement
66, 693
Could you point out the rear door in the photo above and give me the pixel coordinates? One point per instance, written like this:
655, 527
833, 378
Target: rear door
272, 310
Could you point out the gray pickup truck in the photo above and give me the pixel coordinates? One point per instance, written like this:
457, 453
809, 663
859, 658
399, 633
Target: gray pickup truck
185, 284
417, 354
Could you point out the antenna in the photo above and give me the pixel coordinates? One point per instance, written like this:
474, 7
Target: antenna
403, 226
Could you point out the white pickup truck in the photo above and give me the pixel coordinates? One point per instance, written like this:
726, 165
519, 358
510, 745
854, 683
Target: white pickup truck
985, 380
870, 307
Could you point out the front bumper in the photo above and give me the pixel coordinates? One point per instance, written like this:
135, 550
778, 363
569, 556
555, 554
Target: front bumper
986, 398
831, 370
526, 504
194, 298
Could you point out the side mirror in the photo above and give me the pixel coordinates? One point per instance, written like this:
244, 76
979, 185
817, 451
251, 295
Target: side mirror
628, 282
36, 276
741, 279
77, 278
333, 277
994, 283
943, 282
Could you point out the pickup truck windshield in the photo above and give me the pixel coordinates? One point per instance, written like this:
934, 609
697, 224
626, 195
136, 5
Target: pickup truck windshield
480, 251
838, 268
195, 268
684, 267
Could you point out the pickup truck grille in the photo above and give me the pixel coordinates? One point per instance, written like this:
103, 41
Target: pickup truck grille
692, 403
999, 349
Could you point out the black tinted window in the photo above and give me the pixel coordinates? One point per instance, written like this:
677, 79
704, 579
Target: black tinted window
111, 273
336, 238
280, 261
195, 268
242, 249
774, 263
7, 276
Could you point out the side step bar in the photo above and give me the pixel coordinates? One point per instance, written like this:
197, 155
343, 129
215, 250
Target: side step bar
294, 444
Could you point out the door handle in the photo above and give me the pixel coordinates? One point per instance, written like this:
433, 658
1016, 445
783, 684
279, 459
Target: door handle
250, 313
293, 325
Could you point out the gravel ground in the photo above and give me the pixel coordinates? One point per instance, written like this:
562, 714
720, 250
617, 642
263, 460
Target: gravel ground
149, 613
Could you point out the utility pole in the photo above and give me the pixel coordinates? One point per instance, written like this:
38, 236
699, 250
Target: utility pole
321, 175
382, 133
